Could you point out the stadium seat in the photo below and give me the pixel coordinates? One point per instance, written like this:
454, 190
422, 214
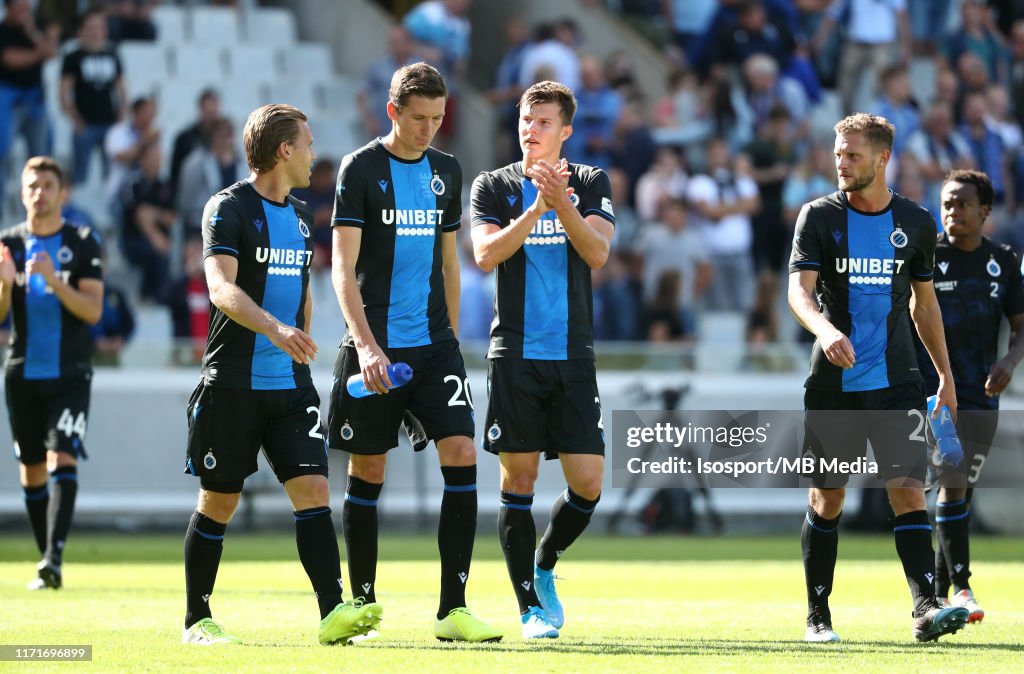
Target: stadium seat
214, 26
333, 137
249, 60
193, 60
239, 97
299, 93
145, 66
269, 26
338, 95
170, 24
308, 61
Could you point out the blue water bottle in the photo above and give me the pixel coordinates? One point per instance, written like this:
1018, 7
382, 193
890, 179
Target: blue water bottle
944, 430
399, 373
36, 283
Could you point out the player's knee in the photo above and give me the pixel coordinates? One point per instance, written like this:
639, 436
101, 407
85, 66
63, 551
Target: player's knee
457, 451
828, 503
218, 506
34, 475
906, 499
519, 482
589, 487
61, 459
368, 468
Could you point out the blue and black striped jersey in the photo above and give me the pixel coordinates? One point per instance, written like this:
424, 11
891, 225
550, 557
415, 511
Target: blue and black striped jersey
274, 248
865, 264
975, 290
47, 341
543, 301
402, 207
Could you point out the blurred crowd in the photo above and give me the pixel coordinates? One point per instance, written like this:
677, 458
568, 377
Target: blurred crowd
708, 173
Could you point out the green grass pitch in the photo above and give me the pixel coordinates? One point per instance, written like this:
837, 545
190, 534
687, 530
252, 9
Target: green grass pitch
632, 605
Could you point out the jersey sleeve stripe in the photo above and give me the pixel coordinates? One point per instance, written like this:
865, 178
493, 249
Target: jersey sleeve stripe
487, 218
923, 277
606, 216
805, 263
212, 248
347, 220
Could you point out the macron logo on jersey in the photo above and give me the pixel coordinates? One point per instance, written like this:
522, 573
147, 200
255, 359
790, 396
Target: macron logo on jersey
284, 261
869, 270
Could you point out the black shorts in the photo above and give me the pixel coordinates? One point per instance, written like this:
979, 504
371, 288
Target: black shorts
436, 404
838, 425
48, 415
976, 430
227, 427
543, 405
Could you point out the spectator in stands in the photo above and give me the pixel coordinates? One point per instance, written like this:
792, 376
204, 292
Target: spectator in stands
126, 140
72, 213
938, 148
505, 93
553, 48
442, 31
773, 153
627, 222
1016, 70
765, 89
620, 72
188, 300
927, 24
896, 105
978, 34
476, 300
662, 319
814, 176
671, 246
131, 20
320, 197
986, 145
999, 117
91, 91
947, 87
24, 48
373, 96
634, 148
751, 32
64, 13
689, 21
724, 199
680, 117
194, 135
593, 128
618, 299
877, 34
666, 179
973, 76
115, 329
148, 214
206, 171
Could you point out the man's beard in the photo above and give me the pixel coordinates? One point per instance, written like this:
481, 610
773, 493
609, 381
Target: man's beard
858, 185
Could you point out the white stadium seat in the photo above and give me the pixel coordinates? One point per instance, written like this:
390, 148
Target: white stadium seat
170, 24
269, 26
214, 26
145, 66
308, 61
249, 61
193, 60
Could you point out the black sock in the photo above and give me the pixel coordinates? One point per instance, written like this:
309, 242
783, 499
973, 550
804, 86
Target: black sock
569, 517
204, 541
36, 501
819, 540
359, 524
456, 532
952, 524
942, 578
518, 535
60, 512
914, 546
318, 551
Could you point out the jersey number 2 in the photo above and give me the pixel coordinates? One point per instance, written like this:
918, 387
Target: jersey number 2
317, 425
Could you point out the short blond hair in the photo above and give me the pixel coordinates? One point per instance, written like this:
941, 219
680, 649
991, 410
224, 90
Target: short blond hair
878, 130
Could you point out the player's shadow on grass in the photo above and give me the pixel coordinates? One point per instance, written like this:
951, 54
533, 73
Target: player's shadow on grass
678, 647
